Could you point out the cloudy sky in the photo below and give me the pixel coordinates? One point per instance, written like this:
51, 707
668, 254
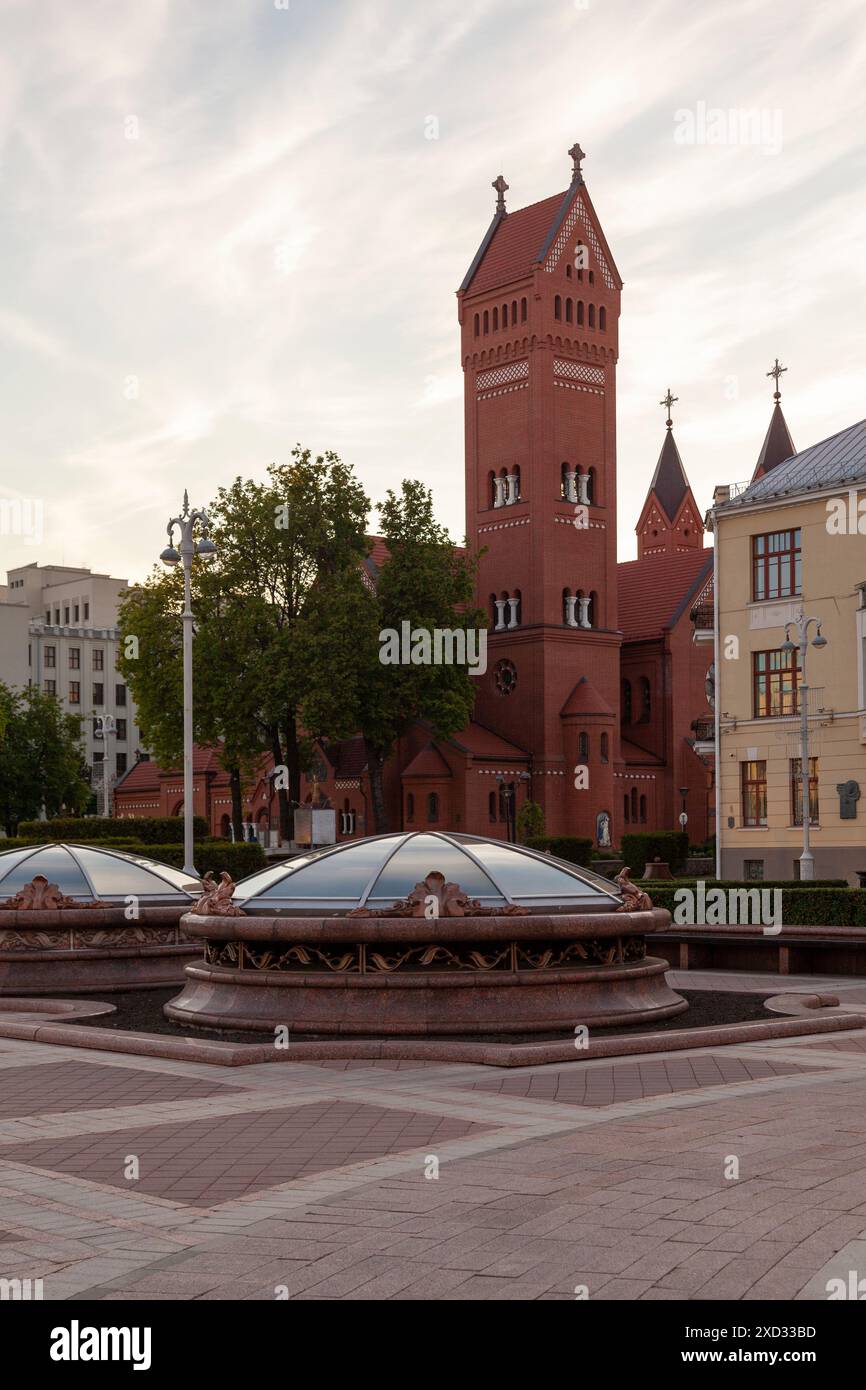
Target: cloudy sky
226, 229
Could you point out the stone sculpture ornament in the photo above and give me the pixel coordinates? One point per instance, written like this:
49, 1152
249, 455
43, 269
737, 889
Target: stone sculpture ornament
634, 899
433, 897
216, 898
41, 896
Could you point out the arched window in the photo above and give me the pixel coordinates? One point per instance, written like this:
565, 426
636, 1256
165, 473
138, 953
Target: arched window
505, 316
643, 809
568, 270
605, 748
523, 307
410, 807
513, 312
477, 324
592, 316
569, 310
486, 321
491, 806
580, 310
580, 254
626, 702
433, 807
583, 748
557, 307
625, 808
592, 277
495, 320
602, 319
645, 701
634, 803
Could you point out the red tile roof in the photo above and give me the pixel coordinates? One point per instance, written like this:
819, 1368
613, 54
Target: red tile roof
653, 591
516, 245
428, 763
585, 699
481, 743
633, 755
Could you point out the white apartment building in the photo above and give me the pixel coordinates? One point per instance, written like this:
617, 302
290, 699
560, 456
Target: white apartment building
58, 631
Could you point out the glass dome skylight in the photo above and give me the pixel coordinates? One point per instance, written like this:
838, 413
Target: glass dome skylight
88, 871
377, 872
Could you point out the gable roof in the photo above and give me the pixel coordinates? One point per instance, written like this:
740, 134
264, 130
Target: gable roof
778, 444
428, 763
483, 743
837, 461
585, 699
654, 592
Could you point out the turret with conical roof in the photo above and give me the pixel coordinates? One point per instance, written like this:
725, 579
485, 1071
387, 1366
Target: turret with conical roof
778, 444
670, 522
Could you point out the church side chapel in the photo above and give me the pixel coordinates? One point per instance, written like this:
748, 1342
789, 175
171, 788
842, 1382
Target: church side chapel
597, 701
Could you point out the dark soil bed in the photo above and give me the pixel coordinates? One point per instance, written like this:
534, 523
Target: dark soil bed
140, 1011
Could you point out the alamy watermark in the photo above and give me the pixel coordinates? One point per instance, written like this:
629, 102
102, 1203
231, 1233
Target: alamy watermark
22, 516
438, 646
729, 907
713, 125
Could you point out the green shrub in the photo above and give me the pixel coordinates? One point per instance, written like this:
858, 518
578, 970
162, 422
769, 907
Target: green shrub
574, 848
530, 821
786, 883
212, 856
642, 847
151, 830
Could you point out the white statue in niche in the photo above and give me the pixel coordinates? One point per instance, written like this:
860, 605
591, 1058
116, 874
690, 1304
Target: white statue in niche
602, 830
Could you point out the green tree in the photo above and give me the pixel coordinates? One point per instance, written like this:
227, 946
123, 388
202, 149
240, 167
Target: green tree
41, 762
428, 584
530, 821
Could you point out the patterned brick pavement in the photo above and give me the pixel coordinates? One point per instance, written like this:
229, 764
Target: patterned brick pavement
318, 1181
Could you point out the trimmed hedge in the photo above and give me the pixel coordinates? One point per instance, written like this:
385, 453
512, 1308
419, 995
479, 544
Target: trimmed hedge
574, 848
150, 830
829, 907
786, 883
642, 847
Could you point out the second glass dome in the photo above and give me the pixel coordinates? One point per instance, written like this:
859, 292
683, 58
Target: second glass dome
379, 871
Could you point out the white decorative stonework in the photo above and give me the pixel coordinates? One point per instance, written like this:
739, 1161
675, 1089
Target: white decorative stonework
591, 526
501, 376
578, 371
578, 214
764, 615
577, 386
504, 525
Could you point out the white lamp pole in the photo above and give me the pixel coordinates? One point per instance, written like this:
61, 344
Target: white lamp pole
171, 556
802, 625
106, 727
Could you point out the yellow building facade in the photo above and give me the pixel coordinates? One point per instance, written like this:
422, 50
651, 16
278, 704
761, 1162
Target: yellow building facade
793, 543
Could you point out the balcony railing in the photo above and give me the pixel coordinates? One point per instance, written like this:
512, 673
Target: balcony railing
704, 730
702, 616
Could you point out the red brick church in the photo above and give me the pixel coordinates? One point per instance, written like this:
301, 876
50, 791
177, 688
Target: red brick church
595, 702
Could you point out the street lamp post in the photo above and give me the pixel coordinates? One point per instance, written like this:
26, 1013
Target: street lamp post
105, 727
188, 548
802, 625
684, 815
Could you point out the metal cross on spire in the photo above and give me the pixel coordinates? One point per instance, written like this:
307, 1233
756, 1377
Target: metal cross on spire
775, 372
667, 401
501, 189
577, 156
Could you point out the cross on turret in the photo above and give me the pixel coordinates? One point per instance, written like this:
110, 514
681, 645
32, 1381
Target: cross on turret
775, 372
578, 157
667, 401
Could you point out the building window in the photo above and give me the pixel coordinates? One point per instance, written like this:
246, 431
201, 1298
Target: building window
523, 311
513, 313
75, 611
643, 810
98, 693
491, 806
433, 808
602, 319
50, 656
47, 615
57, 617
477, 325
66, 615
410, 808
86, 611
569, 310
754, 784
75, 658
121, 730
505, 316
98, 659
753, 869
634, 803
50, 687
797, 792
486, 321
583, 748
121, 763
74, 692
646, 701
605, 747
580, 305
592, 315
776, 679
120, 694
776, 565
626, 702
625, 808
495, 320
557, 307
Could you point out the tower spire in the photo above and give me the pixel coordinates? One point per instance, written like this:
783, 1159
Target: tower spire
778, 444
